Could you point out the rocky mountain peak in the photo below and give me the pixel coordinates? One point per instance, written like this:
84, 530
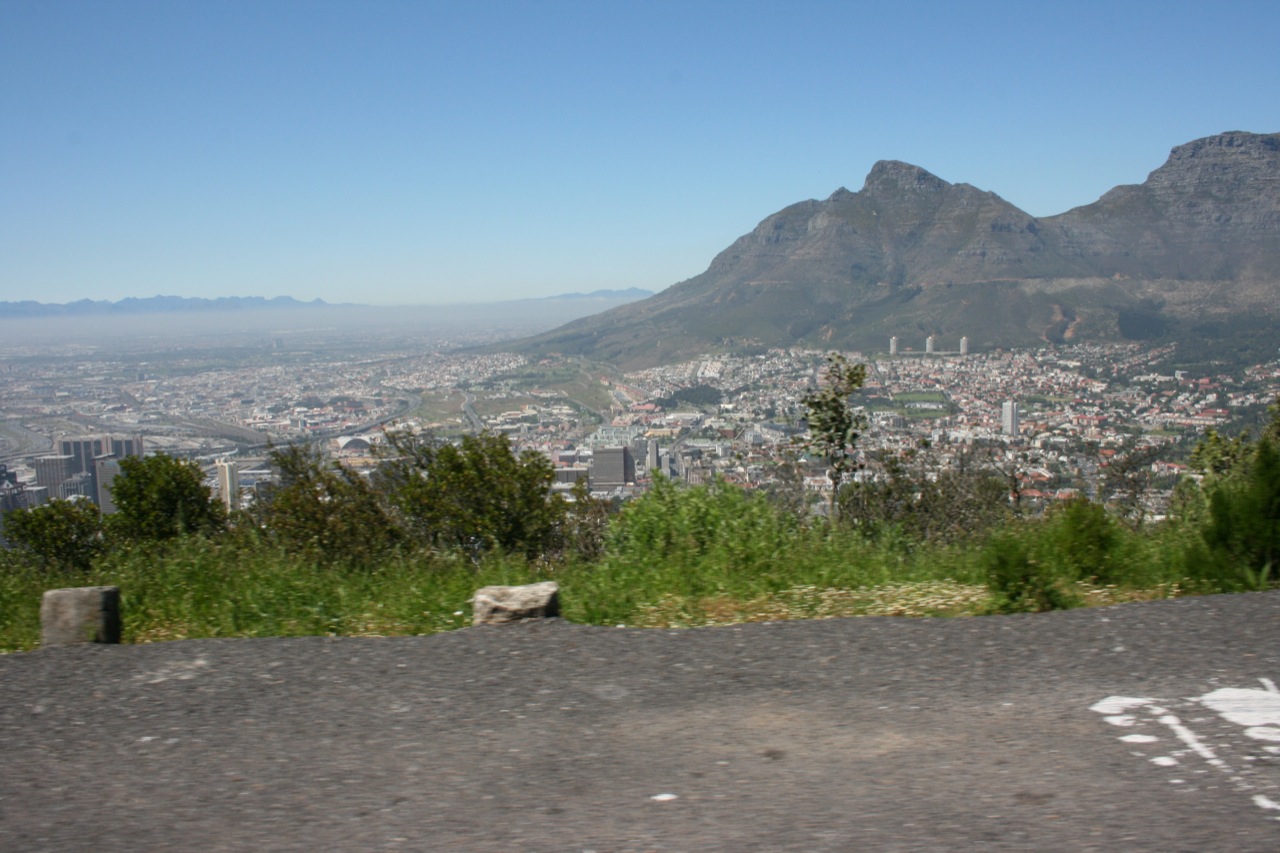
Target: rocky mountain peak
889, 178
1226, 163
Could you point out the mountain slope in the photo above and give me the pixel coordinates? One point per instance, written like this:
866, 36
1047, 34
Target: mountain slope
911, 255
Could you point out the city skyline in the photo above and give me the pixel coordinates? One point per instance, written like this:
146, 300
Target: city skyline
403, 153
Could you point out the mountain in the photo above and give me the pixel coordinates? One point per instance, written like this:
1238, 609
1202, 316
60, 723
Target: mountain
151, 305
630, 294
1193, 252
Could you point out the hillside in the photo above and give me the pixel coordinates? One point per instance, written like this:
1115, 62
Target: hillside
1193, 252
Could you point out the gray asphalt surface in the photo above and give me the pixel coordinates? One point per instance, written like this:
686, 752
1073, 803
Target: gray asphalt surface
854, 734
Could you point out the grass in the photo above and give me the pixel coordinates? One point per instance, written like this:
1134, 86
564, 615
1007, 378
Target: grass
675, 558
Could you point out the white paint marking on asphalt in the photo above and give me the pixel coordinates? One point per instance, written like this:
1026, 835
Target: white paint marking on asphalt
1256, 711
664, 798
1189, 738
1263, 733
1245, 707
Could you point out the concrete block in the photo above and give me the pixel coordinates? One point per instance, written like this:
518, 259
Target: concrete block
85, 614
496, 604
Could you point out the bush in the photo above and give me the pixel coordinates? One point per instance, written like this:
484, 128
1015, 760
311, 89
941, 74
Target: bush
474, 497
61, 535
324, 512
160, 497
1019, 581
1082, 542
1242, 531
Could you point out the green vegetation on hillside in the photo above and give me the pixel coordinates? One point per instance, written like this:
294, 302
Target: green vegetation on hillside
330, 552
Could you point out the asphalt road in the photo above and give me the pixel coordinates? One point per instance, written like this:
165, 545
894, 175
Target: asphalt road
1000, 733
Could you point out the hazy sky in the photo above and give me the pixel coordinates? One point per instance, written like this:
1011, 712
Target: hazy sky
422, 152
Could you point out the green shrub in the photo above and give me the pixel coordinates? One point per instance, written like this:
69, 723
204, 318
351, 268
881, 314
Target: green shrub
1082, 542
1020, 582
1242, 530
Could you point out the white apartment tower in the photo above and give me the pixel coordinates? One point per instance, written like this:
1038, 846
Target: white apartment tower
893, 345
928, 345
229, 484
1009, 418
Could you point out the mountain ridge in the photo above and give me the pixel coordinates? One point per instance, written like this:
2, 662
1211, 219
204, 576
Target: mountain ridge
186, 304
911, 254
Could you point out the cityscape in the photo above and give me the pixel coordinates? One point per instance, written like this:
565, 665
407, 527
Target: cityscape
1052, 420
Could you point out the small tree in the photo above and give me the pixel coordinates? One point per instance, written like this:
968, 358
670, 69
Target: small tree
65, 535
324, 511
474, 496
159, 497
834, 426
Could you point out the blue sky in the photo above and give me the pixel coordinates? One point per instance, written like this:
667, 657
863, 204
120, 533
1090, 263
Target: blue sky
427, 152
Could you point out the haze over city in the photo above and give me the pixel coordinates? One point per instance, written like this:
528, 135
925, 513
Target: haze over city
417, 153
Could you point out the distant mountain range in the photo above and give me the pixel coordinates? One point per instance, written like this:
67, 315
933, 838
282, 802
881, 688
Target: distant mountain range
1191, 253
152, 305
182, 304
629, 294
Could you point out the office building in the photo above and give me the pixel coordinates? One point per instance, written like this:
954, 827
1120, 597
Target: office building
612, 468
83, 450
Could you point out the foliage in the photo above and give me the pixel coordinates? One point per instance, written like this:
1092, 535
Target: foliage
834, 425
159, 497
1040, 564
585, 525
324, 511
1217, 456
1126, 479
954, 506
698, 395
715, 524
62, 535
331, 551
1243, 526
475, 496
1018, 581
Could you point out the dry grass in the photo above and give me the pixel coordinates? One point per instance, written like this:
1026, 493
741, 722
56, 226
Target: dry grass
930, 598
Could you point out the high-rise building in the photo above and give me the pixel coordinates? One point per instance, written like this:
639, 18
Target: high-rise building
651, 458
229, 484
893, 345
612, 467
928, 345
106, 469
1009, 418
964, 346
84, 449
82, 452
120, 447
53, 471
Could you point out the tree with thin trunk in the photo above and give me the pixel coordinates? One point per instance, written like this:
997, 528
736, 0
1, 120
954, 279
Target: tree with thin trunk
834, 424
